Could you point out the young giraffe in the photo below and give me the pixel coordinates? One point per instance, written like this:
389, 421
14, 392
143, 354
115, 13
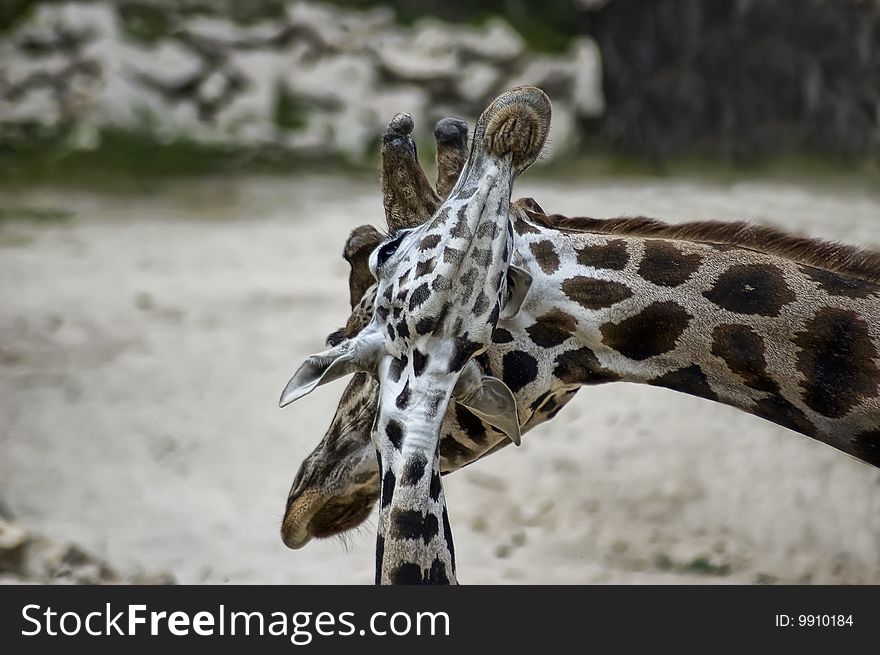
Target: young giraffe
811, 367
441, 289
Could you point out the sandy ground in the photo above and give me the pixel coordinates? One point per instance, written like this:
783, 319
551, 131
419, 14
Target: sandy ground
144, 343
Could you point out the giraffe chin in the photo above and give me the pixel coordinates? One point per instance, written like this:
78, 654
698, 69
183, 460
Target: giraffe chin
314, 515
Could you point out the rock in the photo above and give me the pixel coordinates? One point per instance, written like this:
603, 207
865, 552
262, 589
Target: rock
47, 559
248, 118
9, 579
152, 579
38, 105
415, 59
409, 98
319, 80
214, 87
337, 29
232, 35
759, 86
564, 137
19, 69
552, 74
168, 62
477, 82
333, 97
334, 80
586, 93
26, 558
497, 41
13, 542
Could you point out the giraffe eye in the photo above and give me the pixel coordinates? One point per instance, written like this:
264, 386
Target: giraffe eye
389, 248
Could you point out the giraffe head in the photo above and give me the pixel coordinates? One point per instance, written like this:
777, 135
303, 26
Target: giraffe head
337, 485
441, 286
416, 321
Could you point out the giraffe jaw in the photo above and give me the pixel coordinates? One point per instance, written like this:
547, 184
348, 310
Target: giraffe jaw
317, 515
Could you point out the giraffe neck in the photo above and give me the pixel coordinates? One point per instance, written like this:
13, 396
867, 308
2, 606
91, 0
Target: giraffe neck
414, 541
793, 344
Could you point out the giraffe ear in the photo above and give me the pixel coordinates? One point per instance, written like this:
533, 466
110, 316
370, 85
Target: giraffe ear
519, 281
492, 401
358, 354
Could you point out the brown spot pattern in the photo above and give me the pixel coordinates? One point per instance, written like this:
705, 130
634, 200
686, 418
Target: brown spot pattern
867, 447
481, 304
425, 267
466, 284
500, 335
482, 256
836, 284
777, 409
592, 293
523, 227
653, 331
751, 289
837, 360
441, 283
518, 369
406, 523
486, 229
414, 470
552, 328
461, 229
690, 379
545, 254
742, 349
429, 242
666, 265
452, 256
611, 255
581, 366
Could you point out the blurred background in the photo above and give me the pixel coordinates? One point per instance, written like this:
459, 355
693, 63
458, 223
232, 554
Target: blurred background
177, 179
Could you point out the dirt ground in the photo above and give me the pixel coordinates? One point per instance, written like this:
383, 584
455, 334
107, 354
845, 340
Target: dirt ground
145, 340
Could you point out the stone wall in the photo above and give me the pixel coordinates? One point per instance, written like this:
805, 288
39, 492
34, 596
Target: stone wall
28, 557
316, 80
735, 79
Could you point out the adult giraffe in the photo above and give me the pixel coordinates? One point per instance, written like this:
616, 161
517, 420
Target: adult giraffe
441, 289
812, 367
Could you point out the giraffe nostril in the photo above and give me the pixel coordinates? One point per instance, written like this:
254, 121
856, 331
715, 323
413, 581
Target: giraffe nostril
517, 123
518, 130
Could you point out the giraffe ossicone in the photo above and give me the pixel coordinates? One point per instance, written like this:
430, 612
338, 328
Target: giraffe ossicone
441, 288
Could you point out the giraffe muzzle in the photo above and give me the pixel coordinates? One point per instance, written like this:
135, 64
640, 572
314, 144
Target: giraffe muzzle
316, 515
516, 123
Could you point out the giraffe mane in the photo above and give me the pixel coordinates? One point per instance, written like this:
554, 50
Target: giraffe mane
851, 261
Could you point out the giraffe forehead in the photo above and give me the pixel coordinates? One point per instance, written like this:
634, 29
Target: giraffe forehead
444, 267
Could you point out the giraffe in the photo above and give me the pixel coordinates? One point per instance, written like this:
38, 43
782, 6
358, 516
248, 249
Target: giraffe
441, 289
782, 327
